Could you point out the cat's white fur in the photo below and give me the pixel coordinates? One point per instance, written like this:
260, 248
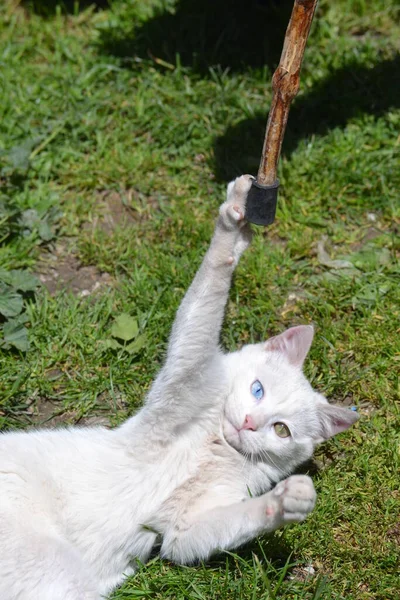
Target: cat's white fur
191, 470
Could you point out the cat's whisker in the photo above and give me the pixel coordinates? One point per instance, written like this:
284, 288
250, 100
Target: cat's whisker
244, 464
269, 458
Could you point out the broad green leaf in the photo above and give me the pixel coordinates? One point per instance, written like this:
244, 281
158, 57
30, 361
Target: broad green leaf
11, 302
125, 327
370, 294
370, 258
19, 279
136, 345
21, 318
15, 334
18, 156
114, 344
30, 218
45, 231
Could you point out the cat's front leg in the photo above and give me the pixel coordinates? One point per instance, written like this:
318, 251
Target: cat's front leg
188, 383
197, 537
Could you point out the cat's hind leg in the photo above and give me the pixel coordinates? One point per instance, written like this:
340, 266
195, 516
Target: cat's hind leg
40, 567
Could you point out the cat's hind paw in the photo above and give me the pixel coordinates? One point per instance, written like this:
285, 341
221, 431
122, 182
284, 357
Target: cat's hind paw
296, 498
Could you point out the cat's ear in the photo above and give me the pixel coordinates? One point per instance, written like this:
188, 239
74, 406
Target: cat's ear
334, 419
294, 343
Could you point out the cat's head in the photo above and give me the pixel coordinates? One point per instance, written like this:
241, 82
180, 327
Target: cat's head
272, 413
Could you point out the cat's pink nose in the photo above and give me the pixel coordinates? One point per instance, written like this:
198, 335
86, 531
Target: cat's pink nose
249, 423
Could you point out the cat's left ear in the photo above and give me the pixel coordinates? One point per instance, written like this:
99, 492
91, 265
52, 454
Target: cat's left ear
334, 419
294, 344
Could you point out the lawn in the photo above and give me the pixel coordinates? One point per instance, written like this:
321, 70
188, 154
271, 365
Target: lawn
121, 123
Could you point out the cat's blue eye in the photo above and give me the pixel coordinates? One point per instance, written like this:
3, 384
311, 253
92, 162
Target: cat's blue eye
257, 390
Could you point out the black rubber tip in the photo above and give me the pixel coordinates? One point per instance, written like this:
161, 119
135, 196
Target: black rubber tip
261, 203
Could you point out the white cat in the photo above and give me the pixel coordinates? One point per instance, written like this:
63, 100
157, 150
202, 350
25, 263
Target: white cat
191, 470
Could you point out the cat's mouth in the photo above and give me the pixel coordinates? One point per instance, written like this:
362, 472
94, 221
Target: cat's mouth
240, 439
231, 434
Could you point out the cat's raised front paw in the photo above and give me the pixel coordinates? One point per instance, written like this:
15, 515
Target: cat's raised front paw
232, 211
296, 498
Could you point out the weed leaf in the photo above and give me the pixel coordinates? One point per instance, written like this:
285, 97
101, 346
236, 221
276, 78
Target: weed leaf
44, 231
136, 345
125, 327
19, 279
11, 302
15, 334
18, 157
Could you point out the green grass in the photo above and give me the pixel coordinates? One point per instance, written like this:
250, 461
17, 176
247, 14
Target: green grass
156, 109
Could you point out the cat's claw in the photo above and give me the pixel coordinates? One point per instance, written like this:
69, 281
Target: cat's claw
296, 498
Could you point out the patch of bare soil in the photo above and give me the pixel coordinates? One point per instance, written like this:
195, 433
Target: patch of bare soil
370, 234
394, 534
112, 210
291, 305
115, 209
61, 269
302, 572
46, 414
272, 236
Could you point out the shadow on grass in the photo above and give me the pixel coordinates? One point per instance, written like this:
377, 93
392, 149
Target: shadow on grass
269, 554
272, 547
234, 35
242, 34
48, 8
350, 91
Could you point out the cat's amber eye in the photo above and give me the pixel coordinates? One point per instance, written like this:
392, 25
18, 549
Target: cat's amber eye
282, 430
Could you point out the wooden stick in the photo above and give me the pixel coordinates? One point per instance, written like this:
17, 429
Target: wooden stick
285, 84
